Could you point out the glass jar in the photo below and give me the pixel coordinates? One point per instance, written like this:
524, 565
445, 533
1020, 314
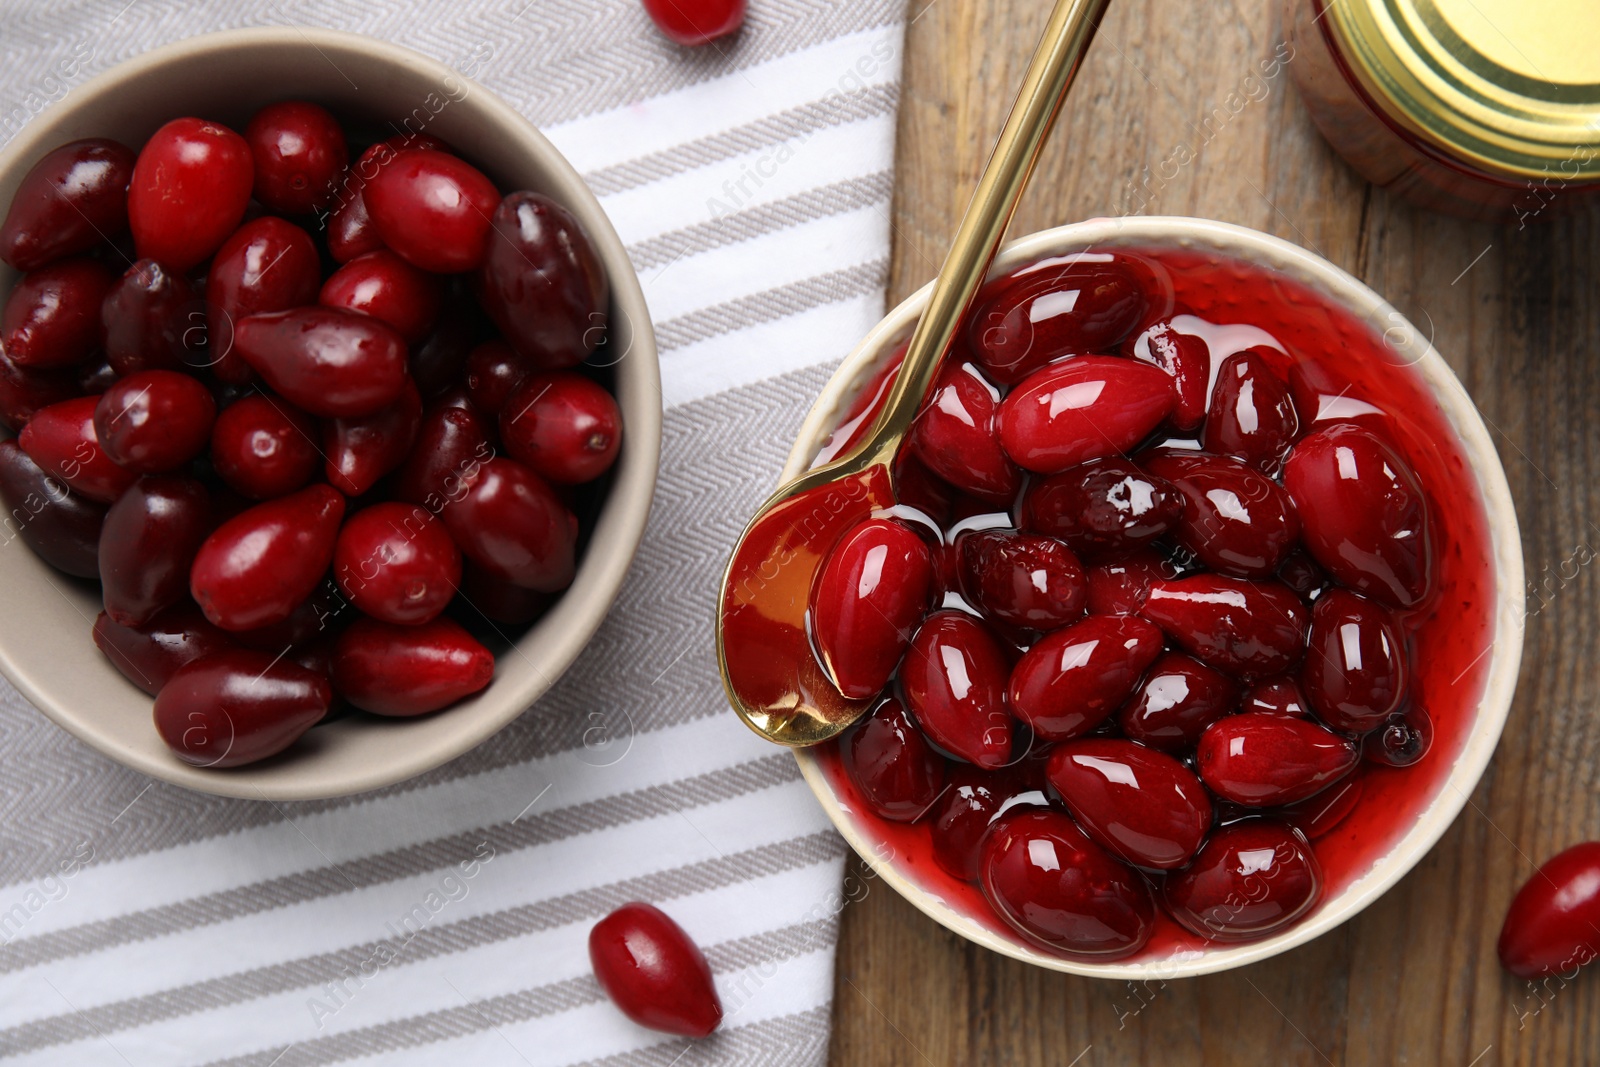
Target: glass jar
1483, 108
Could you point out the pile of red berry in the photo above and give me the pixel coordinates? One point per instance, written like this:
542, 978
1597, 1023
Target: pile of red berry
285, 456
1135, 620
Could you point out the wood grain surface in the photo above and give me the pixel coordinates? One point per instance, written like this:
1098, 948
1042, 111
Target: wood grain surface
1414, 979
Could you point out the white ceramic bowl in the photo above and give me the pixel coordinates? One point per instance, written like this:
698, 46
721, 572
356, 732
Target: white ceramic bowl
1449, 795
45, 618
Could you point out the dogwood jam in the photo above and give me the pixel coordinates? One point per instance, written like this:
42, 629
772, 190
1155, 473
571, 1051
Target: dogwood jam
1343, 371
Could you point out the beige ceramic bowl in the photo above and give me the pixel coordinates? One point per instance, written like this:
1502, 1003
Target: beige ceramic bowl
1488, 718
45, 647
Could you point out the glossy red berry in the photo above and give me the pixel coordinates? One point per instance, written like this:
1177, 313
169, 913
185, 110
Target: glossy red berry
154, 421
264, 447
409, 670
433, 209
542, 282
149, 655
326, 361
957, 436
1278, 696
1247, 629
188, 192
152, 319
360, 449
1251, 417
24, 391
1178, 699
1074, 679
1266, 760
1120, 586
73, 200
52, 317
266, 265
1187, 359
396, 562
299, 152
257, 567
451, 445
896, 771
494, 369
1105, 506
238, 706
1553, 924
1142, 806
696, 22
61, 439
383, 285
1063, 892
1251, 880
1234, 519
1356, 670
1365, 516
653, 972
62, 527
969, 805
871, 593
148, 544
1064, 306
1081, 409
509, 521
563, 426
350, 229
954, 678
1022, 580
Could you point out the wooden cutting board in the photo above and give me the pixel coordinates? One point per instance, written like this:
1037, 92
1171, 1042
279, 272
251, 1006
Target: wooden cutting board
1175, 88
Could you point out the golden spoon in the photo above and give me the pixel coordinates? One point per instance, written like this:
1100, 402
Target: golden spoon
771, 676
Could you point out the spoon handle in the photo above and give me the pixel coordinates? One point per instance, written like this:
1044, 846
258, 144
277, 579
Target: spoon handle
1055, 63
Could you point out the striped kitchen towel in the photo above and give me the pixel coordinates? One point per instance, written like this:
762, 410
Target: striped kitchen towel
444, 920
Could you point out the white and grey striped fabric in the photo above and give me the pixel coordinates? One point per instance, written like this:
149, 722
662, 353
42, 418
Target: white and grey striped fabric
444, 920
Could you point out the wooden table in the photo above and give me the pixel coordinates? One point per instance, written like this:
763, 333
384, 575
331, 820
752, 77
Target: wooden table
1414, 979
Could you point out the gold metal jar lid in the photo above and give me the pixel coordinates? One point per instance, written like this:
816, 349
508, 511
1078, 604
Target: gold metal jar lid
1510, 87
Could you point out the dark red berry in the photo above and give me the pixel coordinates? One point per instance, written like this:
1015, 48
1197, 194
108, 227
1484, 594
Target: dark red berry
433, 209
1364, 514
396, 562
957, 436
565, 427
542, 282
1266, 760
264, 447
299, 152
1251, 417
954, 678
1021, 580
238, 706
1063, 892
1251, 879
409, 670
897, 772
188, 192
73, 200
1105, 506
653, 972
1142, 806
871, 593
154, 421
1076, 678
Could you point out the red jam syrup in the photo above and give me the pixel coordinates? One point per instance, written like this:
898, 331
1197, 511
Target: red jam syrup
1341, 370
